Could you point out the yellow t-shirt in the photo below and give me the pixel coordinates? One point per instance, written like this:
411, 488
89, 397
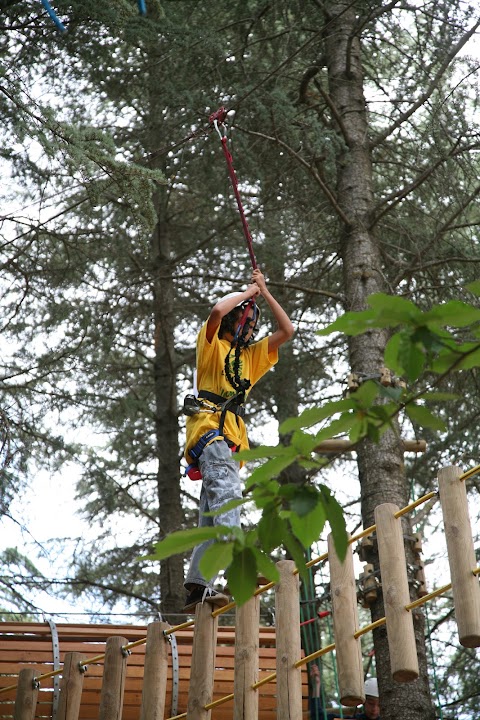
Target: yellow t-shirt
255, 361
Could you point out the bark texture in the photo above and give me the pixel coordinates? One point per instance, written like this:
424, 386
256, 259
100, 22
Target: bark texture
381, 469
167, 452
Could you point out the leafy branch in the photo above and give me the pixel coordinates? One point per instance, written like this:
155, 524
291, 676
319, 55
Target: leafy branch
294, 516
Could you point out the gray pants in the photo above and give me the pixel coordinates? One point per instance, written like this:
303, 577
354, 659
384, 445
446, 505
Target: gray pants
220, 484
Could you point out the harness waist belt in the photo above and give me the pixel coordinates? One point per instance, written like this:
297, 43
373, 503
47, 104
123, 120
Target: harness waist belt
231, 405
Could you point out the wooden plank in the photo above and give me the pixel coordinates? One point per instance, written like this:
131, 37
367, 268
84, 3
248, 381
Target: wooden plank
30, 645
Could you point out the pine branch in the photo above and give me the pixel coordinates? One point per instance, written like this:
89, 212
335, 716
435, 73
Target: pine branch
309, 167
433, 85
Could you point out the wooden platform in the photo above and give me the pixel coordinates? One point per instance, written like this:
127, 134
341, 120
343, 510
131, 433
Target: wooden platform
30, 645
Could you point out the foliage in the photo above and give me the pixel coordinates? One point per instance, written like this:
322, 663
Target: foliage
294, 516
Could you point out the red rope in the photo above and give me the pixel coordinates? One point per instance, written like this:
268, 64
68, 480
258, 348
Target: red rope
219, 117
233, 178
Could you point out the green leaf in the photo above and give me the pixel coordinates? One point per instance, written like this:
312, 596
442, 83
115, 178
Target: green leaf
463, 357
474, 287
314, 463
296, 551
392, 393
433, 340
270, 530
303, 443
304, 500
312, 416
272, 468
392, 351
440, 396
183, 540
423, 416
264, 495
358, 429
215, 558
351, 323
266, 566
263, 451
454, 313
336, 427
308, 528
242, 575
393, 310
366, 394
230, 505
336, 519
382, 413
411, 358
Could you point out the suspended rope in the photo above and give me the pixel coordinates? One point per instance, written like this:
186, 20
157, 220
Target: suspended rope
142, 8
217, 120
61, 27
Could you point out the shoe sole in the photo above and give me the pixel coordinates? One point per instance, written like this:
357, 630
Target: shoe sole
219, 600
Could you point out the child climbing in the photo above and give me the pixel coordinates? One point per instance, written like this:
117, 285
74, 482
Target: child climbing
228, 366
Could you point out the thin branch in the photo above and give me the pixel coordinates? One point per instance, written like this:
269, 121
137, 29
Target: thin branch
323, 186
401, 194
430, 89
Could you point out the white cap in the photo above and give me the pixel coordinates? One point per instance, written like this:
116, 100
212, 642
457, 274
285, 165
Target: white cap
371, 687
242, 302
231, 295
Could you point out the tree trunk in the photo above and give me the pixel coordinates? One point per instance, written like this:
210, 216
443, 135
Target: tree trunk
167, 429
381, 469
166, 416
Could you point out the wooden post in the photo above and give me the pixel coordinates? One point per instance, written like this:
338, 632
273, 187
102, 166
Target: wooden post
155, 673
461, 555
113, 685
26, 699
287, 613
393, 571
345, 624
200, 692
245, 704
70, 687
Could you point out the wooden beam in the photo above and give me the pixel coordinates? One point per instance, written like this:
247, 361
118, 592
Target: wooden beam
338, 445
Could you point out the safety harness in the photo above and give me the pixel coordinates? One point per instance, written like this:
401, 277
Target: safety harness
214, 404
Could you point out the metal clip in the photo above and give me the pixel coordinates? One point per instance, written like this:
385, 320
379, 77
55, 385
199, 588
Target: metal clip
217, 128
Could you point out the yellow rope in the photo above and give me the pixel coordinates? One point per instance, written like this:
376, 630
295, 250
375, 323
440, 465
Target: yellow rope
370, 626
315, 655
414, 504
426, 598
264, 681
184, 625
220, 701
470, 473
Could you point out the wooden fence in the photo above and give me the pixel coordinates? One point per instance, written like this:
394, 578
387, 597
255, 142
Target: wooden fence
244, 673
